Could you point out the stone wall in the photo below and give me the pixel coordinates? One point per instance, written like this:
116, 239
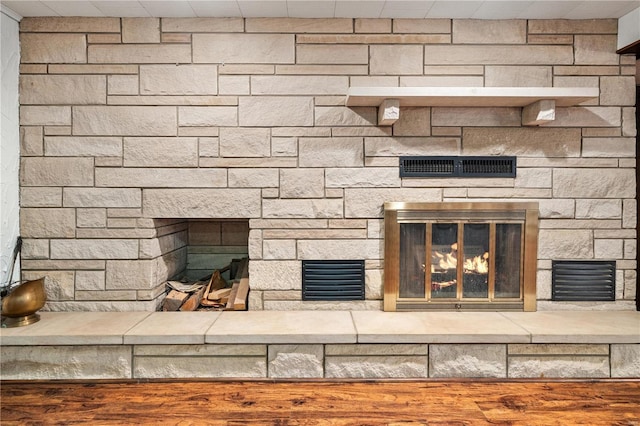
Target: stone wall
131, 126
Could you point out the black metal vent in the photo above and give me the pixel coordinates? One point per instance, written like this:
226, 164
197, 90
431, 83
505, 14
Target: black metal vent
455, 166
333, 280
583, 280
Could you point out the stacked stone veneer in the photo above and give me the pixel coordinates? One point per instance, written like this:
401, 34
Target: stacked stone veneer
130, 127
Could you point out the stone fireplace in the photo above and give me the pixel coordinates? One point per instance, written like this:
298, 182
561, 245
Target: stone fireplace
135, 133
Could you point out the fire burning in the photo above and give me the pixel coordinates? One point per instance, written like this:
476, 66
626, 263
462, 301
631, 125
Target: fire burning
445, 261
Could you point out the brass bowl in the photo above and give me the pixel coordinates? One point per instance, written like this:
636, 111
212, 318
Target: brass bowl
19, 307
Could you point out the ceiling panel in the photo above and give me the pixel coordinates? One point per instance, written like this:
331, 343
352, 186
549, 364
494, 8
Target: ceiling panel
263, 9
359, 9
225, 8
174, 9
311, 9
449, 9
29, 8
124, 9
548, 9
73, 8
500, 9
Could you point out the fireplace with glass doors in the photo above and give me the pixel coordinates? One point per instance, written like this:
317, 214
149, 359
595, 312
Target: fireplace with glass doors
460, 256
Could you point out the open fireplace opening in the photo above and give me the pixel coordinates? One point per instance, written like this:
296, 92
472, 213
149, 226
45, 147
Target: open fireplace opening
478, 256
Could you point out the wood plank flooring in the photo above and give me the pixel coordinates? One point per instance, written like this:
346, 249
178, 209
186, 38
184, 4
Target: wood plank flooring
463, 402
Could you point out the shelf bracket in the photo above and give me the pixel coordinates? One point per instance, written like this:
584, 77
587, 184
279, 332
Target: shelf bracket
388, 112
540, 112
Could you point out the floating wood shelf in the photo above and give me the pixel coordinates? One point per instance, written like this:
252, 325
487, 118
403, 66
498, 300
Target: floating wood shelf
470, 96
539, 102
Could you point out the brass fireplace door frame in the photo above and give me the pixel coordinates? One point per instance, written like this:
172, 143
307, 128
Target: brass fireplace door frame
472, 211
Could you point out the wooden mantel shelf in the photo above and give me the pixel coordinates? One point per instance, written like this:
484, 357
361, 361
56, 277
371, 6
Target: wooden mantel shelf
470, 96
539, 103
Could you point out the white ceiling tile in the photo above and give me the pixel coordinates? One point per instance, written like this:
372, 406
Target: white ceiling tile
169, 9
121, 8
359, 9
311, 8
29, 8
73, 8
596, 9
263, 9
218, 8
547, 9
500, 9
453, 9
405, 9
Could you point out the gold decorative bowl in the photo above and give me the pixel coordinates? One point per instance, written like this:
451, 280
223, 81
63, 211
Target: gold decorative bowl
19, 307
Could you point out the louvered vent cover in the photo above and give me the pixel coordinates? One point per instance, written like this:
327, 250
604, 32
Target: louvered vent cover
457, 166
333, 280
583, 280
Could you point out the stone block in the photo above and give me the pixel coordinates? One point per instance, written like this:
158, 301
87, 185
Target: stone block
198, 366
123, 85
209, 147
630, 249
413, 122
395, 60
31, 141
275, 274
91, 218
140, 30
279, 249
56, 171
284, 147
243, 48
45, 115
373, 177
143, 53
422, 26
161, 178
372, 25
343, 116
625, 361
62, 89
296, 361
58, 285
484, 117
369, 202
94, 249
518, 76
131, 274
299, 85
381, 39
565, 244
332, 54
74, 24
607, 249
234, 84
101, 197
53, 48
275, 111
90, 280
302, 183
40, 197
330, 152
497, 55
207, 116
202, 25
468, 361
489, 31
443, 81
533, 178
629, 122
72, 146
609, 147
196, 203
178, 79
593, 183
587, 117
629, 213
617, 91
340, 249
245, 142
65, 362
298, 25
595, 49
571, 26
47, 223
598, 209
398, 146
558, 361
35, 248
305, 208
253, 178
161, 152
376, 367
125, 120
104, 38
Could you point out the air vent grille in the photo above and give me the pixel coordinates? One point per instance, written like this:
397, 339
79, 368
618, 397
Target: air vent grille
430, 166
588, 280
333, 280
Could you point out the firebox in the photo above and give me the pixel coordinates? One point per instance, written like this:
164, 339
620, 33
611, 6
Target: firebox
460, 256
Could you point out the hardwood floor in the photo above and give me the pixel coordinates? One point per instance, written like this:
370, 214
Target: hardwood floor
463, 402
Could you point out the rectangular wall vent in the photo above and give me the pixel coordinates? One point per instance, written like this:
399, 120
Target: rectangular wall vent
456, 166
333, 280
583, 280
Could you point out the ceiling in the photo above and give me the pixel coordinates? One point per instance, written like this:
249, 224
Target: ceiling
475, 9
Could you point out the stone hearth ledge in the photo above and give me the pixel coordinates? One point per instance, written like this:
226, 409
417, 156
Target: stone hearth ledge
325, 327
